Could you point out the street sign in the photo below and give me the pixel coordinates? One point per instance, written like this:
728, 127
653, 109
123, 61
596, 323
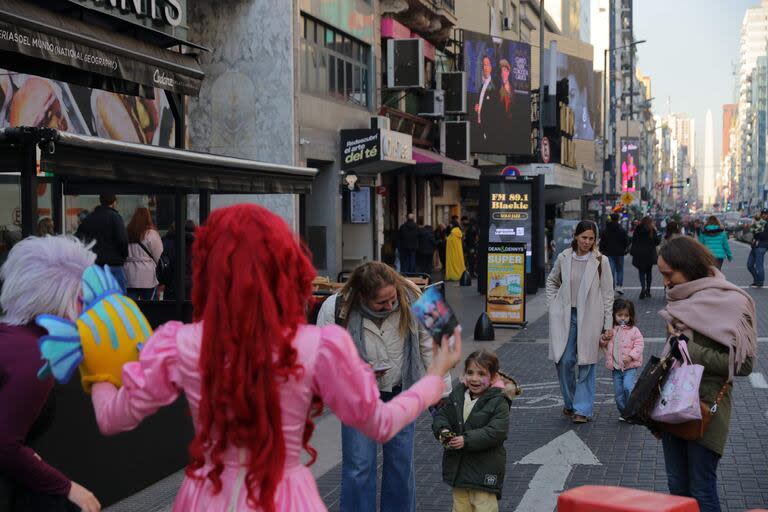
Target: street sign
627, 199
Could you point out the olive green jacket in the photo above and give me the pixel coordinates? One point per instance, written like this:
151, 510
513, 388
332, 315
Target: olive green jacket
481, 463
714, 357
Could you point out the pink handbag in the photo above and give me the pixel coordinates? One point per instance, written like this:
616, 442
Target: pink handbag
679, 401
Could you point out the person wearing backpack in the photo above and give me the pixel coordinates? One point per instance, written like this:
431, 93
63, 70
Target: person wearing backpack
144, 250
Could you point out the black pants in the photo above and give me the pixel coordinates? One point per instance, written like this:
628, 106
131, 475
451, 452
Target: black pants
645, 278
424, 263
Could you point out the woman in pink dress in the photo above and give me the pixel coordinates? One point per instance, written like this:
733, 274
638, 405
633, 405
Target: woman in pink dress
253, 373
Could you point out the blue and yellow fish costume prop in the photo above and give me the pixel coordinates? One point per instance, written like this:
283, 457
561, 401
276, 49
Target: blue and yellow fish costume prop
108, 333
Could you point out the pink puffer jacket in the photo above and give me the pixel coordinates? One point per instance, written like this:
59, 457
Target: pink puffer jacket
631, 344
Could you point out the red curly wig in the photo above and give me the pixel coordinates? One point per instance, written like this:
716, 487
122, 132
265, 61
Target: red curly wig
251, 284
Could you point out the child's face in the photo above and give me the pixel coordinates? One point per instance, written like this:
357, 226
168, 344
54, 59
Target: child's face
622, 317
477, 378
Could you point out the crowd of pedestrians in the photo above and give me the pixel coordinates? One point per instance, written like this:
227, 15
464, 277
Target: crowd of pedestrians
254, 374
423, 249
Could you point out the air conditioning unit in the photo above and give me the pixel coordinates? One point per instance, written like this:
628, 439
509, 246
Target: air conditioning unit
454, 85
432, 103
405, 63
506, 24
454, 140
379, 123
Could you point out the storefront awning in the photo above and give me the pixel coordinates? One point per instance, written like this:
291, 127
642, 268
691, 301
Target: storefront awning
429, 163
96, 159
38, 41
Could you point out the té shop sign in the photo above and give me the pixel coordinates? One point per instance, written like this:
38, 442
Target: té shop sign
367, 146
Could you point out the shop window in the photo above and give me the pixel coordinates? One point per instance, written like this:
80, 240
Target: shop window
333, 63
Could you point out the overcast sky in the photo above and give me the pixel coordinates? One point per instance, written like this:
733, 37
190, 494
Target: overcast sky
691, 49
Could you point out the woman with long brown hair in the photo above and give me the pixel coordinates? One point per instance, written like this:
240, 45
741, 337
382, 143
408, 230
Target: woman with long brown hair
144, 249
580, 299
375, 307
252, 372
720, 323
644, 242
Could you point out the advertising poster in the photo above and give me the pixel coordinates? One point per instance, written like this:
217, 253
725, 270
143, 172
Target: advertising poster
583, 92
27, 100
511, 216
629, 160
498, 94
505, 300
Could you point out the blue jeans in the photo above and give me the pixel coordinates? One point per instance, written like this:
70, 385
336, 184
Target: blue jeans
119, 274
691, 471
755, 264
577, 381
617, 269
358, 471
623, 384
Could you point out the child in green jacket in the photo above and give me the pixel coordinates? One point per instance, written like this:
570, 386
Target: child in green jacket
472, 426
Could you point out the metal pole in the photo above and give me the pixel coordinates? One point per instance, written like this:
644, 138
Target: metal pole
605, 138
541, 77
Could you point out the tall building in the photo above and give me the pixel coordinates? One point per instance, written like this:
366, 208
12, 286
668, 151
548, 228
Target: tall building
754, 34
729, 117
707, 178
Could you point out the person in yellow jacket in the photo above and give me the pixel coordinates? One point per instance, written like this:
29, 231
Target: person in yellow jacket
454, 265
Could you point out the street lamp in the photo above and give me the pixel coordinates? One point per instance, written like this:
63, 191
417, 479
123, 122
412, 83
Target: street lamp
605, 119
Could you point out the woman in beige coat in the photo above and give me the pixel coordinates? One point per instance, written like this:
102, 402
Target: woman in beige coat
580, 300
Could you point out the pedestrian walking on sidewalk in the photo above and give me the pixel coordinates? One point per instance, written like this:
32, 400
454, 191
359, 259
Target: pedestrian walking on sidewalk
644, 243
719, 320
408, 244
105, 226
375, 307
144, 249
756, 260
454, 265
623, 351
714, 238
40, 276
426, 252
254, 374
580, 300
614, 243
472, 426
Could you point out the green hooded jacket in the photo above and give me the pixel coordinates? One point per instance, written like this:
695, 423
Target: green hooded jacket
480, 464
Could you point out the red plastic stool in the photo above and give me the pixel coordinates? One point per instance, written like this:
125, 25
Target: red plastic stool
602, 498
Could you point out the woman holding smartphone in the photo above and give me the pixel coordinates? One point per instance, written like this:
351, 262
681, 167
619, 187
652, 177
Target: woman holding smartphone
375, 307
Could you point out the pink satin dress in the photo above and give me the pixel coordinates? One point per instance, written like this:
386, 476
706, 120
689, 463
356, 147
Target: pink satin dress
333, 370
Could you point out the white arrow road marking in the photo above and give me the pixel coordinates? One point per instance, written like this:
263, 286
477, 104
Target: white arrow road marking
556, 459
758, 380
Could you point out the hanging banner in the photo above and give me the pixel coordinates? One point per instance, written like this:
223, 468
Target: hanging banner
505, 300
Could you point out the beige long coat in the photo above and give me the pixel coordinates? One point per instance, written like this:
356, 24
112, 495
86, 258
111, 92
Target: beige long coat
594, 306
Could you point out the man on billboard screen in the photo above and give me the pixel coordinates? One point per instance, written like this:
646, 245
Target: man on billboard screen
498, 89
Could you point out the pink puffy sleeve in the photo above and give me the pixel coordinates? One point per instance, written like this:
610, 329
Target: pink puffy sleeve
148, 384
348, 386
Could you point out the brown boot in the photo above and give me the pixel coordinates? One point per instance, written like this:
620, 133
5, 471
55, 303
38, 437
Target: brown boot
578, 418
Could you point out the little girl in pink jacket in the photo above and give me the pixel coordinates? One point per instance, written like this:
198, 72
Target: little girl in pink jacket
623, 351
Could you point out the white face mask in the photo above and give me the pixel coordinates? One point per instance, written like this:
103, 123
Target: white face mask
621, 322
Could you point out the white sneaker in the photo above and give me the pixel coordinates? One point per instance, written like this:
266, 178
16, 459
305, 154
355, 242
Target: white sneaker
620, 290
621, 418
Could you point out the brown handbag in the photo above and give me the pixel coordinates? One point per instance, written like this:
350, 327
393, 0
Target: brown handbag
695, 429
